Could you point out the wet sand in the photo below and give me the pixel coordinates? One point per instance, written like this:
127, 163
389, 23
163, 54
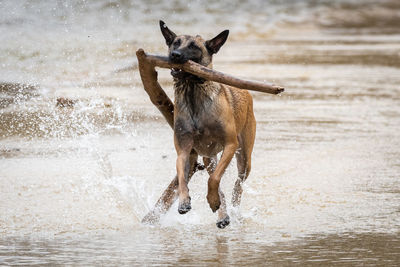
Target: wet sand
76, 179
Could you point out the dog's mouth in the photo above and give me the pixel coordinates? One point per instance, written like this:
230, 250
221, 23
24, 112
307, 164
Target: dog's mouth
183, 75
177, 73
180, 74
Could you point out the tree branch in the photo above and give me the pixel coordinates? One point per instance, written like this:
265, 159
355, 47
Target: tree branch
209, 74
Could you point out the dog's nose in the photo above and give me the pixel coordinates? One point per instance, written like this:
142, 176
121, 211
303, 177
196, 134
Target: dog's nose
176, 55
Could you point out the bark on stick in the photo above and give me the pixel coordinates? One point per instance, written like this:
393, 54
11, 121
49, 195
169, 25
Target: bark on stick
209, 74
158, 97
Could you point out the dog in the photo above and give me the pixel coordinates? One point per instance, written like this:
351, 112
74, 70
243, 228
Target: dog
208, 118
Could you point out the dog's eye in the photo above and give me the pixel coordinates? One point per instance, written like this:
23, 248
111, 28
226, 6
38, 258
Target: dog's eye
177, 43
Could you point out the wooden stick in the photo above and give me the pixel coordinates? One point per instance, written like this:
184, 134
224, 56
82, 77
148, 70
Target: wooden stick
210, 74
158, 97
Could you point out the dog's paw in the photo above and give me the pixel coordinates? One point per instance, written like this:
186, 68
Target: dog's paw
213, 200
184, 206
212, 195
224, 222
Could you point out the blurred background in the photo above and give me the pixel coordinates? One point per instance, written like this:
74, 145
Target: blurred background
84, 155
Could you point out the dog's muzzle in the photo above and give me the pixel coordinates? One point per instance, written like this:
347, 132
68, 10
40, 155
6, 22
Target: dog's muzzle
177, 57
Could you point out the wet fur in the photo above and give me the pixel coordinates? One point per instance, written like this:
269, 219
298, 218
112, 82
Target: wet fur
208, 118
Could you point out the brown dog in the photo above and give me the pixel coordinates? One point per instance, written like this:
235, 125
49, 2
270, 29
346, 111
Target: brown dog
208, 118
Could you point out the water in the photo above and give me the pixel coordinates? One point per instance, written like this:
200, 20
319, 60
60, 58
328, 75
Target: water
76, 179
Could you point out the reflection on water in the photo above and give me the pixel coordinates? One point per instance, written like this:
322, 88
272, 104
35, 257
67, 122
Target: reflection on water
179, 248
84, 155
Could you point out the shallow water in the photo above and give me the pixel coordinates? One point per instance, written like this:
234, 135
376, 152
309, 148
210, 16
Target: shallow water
76, 179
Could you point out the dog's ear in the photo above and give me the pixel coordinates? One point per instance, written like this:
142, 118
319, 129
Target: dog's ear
168, 34
215, 43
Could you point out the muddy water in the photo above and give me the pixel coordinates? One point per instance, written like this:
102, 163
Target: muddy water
84, 155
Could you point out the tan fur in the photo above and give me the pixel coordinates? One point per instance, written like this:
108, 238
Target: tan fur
208, 118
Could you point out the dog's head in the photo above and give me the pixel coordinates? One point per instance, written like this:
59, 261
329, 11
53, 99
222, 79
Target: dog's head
185, 47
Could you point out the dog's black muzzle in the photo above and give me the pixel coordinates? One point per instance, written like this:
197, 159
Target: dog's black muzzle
177, 56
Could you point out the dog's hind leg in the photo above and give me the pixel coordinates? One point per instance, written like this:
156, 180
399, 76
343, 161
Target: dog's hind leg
243, 158
170, 194
244, 166
223, 217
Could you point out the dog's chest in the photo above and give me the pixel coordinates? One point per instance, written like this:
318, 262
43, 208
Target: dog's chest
196, 120
206, 135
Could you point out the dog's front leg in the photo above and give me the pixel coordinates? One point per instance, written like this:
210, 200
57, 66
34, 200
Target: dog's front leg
183, 146
215, 178
170, 194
